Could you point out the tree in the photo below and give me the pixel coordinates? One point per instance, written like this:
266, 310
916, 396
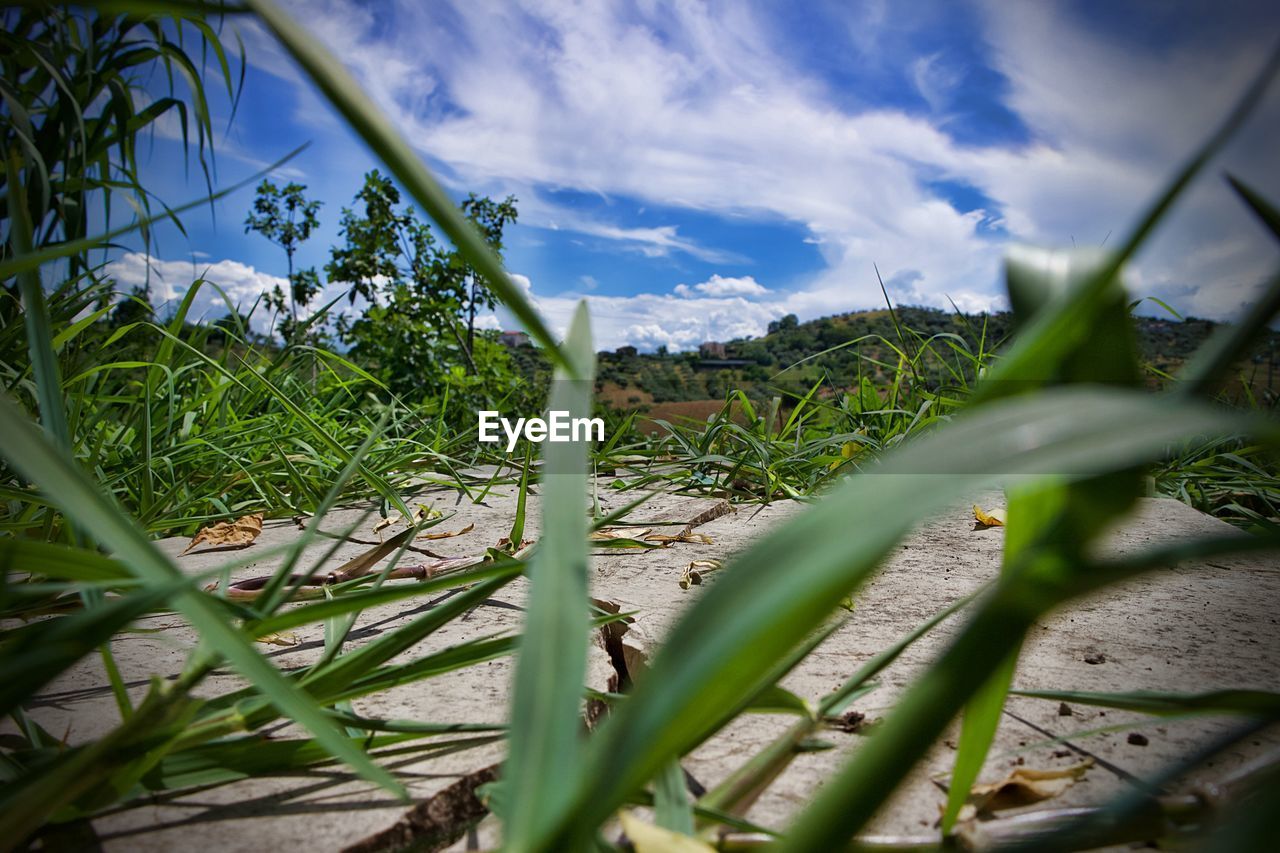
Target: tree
419, 325
491, 217
82, 87
286, 217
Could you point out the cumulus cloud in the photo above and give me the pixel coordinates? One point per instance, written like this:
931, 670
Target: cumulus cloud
169, 281
720, 286
224, 286
692, 106
681, 321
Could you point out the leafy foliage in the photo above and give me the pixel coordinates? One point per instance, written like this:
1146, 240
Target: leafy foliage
417, 332
286, 217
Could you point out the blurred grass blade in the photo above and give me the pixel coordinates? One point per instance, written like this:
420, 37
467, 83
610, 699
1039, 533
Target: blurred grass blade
671, 808
46, 559
977, 730
33, 259
44, 650
31, 455
1229, 343
1263, 209
708, 661
35, 313
1257, 703
1066, 325
372, 125
543, 764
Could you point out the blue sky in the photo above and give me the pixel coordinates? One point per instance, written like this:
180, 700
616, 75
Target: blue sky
697, 170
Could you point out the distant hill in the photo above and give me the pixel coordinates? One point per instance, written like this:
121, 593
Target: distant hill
866, 344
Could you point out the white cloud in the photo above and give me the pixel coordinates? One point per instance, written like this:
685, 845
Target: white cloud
689, 105
682, 321
686, 106
656, 242
721, 286
1114, 123
223, 285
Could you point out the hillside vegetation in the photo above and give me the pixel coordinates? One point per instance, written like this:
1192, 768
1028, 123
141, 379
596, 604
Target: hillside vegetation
841, 350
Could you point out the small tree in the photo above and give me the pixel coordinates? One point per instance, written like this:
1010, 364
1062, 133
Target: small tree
287, 218
419, 326
491, 217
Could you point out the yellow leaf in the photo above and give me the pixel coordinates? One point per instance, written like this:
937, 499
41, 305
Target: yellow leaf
228, 534
995, 518
426, 512
386, 522
648, 838
280, 639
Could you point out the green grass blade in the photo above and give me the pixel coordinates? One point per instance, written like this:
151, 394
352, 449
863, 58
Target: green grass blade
32, 456
35, 313
33, 259
543, 764
48, 559
1213, 361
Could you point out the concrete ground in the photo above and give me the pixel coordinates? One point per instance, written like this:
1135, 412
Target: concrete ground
1193, 628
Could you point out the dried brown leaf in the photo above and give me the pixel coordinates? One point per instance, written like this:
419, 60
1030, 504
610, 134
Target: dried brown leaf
610, 535
462, 532
383, 524
693, 572
228, 534
1027, 785
696, 538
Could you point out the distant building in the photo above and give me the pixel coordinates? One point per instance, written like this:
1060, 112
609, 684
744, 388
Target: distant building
711, 349
627, 352
514, 339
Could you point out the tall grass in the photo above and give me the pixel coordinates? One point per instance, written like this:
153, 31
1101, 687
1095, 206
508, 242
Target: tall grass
140, 434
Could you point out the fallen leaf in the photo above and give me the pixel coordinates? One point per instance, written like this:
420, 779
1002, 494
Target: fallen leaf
995, 518
697, 538
610, 535
280, 639
1026, 785
228, 534
386, 522
445, 814
467, 529
647, 838
694, 571
721, 509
